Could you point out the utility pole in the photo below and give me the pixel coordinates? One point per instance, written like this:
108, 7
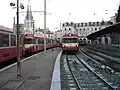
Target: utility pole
60, 32
44, 26
18, 43
14, 25
18, 38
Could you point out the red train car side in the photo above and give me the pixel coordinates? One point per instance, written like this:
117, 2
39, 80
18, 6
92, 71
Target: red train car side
8, 44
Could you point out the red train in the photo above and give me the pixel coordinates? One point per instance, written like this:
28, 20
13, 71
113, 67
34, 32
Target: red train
33, 44
28, 44
70, 43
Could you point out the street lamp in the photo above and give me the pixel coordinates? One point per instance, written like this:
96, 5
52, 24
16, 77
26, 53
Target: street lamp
18, 37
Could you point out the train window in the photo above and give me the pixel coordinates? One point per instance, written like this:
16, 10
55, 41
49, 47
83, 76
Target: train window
21, 40
29, 41
13, 40
39, 41
5, 40
0, 40
70, 40
42, 41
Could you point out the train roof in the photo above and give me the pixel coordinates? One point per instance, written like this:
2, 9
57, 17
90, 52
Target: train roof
5, 29
31, 36
70, 36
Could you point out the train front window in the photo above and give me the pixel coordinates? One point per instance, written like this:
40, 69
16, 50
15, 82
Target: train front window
29, 41
70, 40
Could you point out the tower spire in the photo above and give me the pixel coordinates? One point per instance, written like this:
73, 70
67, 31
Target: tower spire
29, 12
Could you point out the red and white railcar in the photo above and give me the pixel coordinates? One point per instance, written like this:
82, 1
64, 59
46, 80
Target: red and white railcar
35, 44
8, 44
70, 43
31, 44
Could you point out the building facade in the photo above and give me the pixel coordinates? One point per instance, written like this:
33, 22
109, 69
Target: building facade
84, 28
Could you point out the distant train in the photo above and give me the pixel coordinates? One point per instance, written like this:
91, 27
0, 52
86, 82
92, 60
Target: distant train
82, 42
70, 43
28, 44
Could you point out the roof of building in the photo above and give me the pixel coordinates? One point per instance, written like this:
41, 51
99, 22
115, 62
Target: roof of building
113, 28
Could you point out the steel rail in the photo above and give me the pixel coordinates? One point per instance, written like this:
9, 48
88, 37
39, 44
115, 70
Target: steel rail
92, 70
75, 79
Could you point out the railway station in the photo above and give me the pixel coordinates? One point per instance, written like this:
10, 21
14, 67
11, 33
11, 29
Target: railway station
61, 45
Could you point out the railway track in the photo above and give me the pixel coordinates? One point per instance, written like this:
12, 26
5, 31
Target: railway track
107, 73
110, 61
81, 76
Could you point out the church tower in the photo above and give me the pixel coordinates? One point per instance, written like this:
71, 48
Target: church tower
29, 22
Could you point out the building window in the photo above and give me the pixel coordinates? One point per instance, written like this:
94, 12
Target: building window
97, 23
89, 23
92, 29
63, 24
84, 29
71, 23
88, 28
82, 24
85, 24
95, 28
65, 29
99, 28
69, 29
67, 23
74, 25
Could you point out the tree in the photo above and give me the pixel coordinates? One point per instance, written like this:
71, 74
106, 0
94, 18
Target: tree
118, 15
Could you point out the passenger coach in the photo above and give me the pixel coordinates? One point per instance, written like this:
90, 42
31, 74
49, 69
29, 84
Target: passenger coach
8, 44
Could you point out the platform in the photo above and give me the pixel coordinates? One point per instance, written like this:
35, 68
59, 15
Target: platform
36, 73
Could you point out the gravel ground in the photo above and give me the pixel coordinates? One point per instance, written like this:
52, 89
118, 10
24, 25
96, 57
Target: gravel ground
64, 78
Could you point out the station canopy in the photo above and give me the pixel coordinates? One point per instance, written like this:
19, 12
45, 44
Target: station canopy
110, 29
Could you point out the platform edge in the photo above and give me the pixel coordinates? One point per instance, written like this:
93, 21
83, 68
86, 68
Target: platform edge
56, 83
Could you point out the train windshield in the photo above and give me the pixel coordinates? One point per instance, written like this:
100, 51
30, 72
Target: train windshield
70, 40
29, 41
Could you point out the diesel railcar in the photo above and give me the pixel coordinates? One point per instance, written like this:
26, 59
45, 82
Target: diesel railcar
70, 43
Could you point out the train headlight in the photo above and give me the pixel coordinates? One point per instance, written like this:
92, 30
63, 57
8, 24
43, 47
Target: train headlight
77, 45
63, 45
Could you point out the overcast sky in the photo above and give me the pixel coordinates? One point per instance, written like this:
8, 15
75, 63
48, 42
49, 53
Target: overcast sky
61, 11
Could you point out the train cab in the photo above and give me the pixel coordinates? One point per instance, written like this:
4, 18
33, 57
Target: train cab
70, 43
